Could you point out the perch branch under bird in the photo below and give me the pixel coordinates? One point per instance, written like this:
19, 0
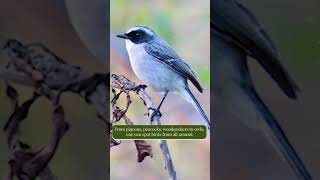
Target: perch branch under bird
125, 86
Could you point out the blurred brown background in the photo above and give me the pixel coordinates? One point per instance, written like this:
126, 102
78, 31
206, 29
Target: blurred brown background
82, 154
242, 154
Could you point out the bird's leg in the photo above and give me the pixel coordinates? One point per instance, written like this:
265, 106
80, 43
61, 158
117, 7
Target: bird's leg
157, 111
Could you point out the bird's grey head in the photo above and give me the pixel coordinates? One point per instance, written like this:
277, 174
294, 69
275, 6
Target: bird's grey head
139, 34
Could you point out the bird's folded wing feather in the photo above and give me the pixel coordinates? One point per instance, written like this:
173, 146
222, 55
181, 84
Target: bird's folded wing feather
166, 55
233, 22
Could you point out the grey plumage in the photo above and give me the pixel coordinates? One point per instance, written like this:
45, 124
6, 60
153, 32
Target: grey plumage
197, 105
158, 65
236, 34
172, 60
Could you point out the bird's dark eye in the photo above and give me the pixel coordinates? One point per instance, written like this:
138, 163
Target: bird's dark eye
137, 34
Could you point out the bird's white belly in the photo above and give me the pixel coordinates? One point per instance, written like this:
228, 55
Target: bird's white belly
152, 72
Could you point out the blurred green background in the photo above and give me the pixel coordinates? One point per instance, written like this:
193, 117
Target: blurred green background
184, 24
243, 154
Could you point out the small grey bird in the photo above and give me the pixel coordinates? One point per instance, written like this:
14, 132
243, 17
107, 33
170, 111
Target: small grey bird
158, 65
236, 34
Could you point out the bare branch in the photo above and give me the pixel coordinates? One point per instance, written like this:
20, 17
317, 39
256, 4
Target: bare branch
125, 85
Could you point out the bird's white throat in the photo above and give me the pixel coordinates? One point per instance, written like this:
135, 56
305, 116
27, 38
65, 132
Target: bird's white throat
135, 50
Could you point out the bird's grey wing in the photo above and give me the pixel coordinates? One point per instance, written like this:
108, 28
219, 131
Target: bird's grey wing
166, 55
234, 23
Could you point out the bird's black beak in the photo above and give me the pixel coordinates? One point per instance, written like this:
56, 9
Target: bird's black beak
123, 36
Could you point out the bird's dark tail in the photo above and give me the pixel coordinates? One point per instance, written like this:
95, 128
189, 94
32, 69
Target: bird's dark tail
278, 139
190, 97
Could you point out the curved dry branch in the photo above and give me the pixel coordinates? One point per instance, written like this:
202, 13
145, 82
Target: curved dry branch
125, 86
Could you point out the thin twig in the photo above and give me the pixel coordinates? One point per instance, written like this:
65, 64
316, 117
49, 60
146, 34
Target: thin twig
163, 143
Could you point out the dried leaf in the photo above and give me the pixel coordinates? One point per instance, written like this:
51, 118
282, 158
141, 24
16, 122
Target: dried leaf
144, 149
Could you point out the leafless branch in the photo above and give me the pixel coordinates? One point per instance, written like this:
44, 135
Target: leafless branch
125, 86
